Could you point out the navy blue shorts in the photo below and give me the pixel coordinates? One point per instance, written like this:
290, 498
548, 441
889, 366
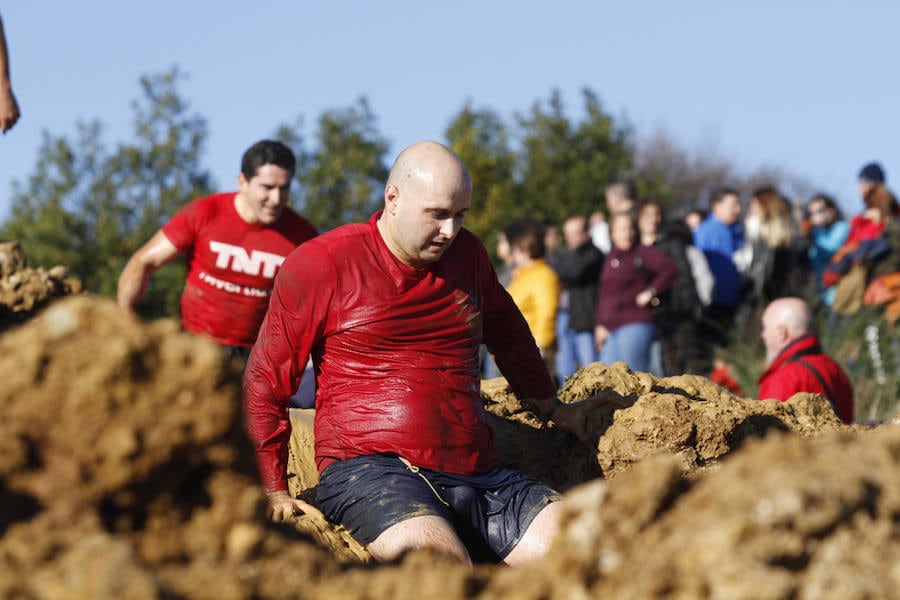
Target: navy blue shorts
490, 512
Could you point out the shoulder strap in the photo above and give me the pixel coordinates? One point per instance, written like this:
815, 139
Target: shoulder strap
828, 393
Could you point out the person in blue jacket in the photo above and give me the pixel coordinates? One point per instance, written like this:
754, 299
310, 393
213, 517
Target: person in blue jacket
719, 236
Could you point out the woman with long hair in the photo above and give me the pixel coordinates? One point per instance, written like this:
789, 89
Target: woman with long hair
828, 231
769, 260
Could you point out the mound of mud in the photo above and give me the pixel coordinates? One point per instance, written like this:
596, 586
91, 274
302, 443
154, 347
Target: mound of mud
125, 472
24, 290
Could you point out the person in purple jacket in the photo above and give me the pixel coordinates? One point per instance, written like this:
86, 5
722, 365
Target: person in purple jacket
633, 276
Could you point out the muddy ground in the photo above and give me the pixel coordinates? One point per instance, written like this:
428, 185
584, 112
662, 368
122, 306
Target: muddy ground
125, 473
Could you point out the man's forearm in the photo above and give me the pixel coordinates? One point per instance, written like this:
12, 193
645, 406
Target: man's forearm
132, 285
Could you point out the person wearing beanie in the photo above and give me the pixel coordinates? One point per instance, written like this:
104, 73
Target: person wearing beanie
869, 176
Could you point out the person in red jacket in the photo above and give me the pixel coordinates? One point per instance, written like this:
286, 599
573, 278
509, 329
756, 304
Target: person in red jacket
797, 362
393, 313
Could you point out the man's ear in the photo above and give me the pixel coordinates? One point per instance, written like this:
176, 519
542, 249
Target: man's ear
784, 335
391, 197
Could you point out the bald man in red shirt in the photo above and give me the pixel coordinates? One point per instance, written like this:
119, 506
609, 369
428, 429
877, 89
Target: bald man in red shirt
393, 312
797, 362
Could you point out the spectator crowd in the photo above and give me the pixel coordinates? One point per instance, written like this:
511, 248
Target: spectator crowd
670, 294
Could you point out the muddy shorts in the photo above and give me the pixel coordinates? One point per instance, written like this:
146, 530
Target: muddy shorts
490, 512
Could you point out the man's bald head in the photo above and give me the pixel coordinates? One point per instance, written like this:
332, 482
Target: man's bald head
783, 321
431, 164
427, 193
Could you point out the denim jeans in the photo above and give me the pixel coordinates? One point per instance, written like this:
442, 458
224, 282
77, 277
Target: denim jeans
656, 358
631, 344
305, 396
489, 367
574, 349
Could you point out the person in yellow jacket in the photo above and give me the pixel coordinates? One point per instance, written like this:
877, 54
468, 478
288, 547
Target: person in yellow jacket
535, 288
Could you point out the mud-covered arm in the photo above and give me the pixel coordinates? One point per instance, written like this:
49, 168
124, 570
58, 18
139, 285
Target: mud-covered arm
291, 327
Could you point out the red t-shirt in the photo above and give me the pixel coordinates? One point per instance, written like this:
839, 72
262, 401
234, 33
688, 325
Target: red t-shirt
231, 266
395, 350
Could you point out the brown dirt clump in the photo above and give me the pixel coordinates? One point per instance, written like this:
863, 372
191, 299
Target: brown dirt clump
688, 416
786, 517
24, 290
124, 467
125, 472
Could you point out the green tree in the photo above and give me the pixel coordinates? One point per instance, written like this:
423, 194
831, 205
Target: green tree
292, 136
565, 166
343, 179
45, 216
481, 140
89, 209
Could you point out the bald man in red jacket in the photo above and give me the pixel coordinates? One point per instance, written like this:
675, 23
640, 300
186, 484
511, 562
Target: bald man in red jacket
797, 362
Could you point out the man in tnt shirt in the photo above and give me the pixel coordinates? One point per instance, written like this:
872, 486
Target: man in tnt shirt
235, 242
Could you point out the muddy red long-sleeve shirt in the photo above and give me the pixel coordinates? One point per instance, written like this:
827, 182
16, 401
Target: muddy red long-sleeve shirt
395, 350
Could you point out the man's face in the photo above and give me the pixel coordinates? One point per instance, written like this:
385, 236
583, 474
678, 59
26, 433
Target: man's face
266, 194
649, 220
574, 233
424, 220
504, 252
617, 203
728, 209
693, 220
773, 336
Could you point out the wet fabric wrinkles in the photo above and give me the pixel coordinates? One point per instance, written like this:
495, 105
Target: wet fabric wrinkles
395, 350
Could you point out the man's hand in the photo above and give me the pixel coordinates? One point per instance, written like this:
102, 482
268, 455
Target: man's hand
9, 110
282, 507
573, 417
600, 335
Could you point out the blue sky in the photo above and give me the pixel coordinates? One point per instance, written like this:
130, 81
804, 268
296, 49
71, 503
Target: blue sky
807, 86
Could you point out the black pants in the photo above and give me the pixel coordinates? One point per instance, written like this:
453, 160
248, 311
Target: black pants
714, 330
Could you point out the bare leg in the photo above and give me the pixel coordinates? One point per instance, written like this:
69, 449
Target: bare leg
427, 531
536, 541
